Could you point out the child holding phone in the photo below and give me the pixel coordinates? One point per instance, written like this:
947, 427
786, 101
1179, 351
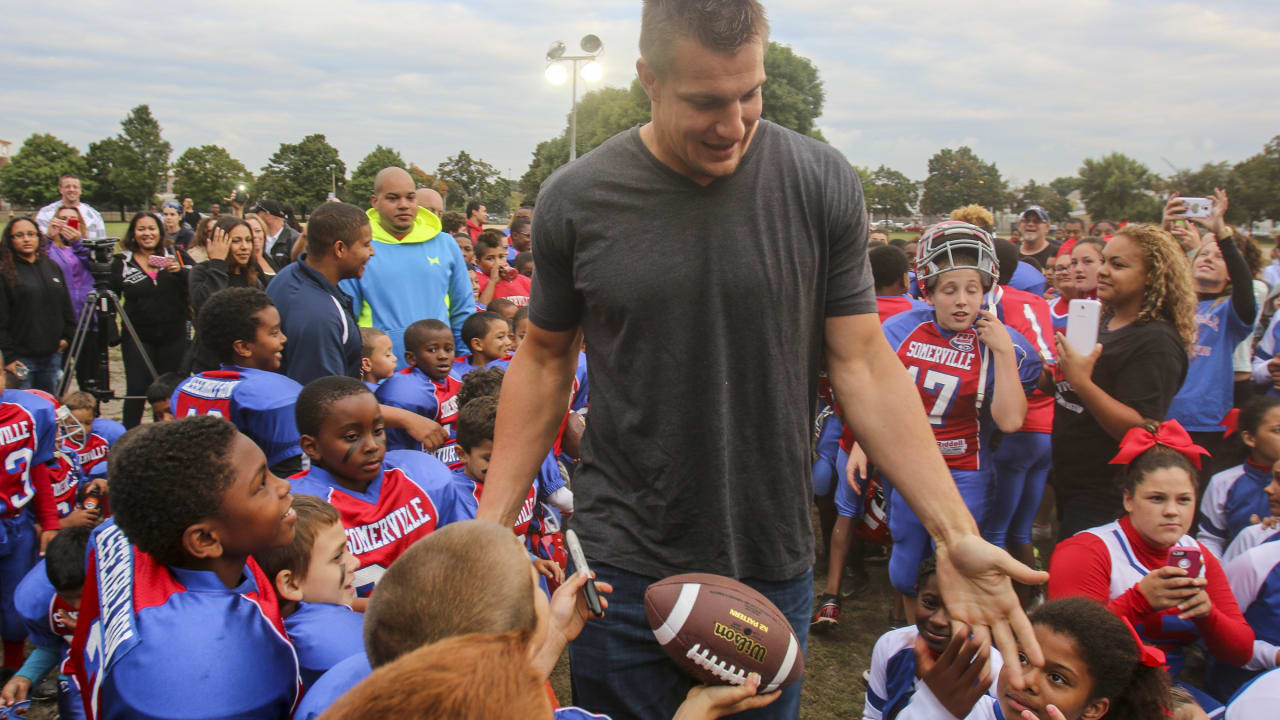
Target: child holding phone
1145, 567
1146, 331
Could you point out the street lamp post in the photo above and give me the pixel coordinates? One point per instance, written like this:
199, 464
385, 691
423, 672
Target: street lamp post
591, 72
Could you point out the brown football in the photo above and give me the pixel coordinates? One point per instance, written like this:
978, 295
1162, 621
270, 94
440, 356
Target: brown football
719, 630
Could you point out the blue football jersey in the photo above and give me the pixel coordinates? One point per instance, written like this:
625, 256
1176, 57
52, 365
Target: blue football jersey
28, 432
259, 403
324, 634
1206, 395
332, 685
93, 450
1232, 498
415, 391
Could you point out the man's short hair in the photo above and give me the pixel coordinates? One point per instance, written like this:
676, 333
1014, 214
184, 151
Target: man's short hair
473, 206
331, 223
466, 577
67, 176
490, 240
888, 265
721, 25
452, 221
229, 315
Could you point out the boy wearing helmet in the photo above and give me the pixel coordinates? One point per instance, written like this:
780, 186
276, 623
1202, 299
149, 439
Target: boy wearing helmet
972, 372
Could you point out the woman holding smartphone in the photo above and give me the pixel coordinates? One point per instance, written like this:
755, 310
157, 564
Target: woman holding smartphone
36, 321
151, 279
66, 231
234, 261
1145, 332
1146, 568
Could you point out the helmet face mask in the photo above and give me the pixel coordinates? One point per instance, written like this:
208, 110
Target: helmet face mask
69, 428
954, 245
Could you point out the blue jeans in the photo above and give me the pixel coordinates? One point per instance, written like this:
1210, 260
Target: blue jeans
19, 548
620, 670
1022, 466
42, 372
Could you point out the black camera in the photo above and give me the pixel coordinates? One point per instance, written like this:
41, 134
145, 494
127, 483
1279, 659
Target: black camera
100, 252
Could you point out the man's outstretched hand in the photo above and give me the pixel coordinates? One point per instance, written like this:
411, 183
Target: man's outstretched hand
974, 577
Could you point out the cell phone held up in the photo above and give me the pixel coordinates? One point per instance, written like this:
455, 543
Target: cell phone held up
159, 262
73, 223
1197, 207
1083, 317
1186, 558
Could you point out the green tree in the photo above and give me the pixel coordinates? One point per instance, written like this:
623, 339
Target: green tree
360, 187
206, 174
103, 157
1064, 186
1118, 187
302, 173
30, 179
1058, 206
960, 177
468, 179
889, 192
793, 94
1255, 186
138, 159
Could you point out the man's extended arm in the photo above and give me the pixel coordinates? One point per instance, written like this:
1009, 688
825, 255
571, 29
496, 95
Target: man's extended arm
534, 398
887, 417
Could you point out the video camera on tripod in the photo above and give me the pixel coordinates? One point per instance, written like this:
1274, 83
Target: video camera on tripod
98, 316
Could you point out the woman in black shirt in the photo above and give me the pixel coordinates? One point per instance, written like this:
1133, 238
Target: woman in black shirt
1147, 328
36, 320
151, 279
234, 261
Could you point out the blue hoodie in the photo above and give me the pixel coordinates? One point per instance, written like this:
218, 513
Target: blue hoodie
417, 277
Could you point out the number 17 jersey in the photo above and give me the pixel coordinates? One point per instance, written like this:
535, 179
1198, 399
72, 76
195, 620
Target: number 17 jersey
955, 375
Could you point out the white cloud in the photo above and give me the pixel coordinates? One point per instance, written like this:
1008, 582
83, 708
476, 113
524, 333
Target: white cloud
1035, 87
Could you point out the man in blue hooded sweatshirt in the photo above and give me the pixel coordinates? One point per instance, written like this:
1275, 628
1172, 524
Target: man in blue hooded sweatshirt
417, 271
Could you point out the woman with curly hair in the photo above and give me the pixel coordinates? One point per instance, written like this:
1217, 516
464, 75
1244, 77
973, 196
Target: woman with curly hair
1147, 329
36, 320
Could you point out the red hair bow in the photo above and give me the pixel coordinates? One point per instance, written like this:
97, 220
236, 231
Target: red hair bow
1231, 422
1147, 655
1171, 434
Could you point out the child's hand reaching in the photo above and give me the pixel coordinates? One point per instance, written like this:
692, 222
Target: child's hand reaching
568, 615
715, 701
549, 569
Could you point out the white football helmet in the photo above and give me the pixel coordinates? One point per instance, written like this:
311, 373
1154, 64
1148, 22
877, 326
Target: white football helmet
935, 253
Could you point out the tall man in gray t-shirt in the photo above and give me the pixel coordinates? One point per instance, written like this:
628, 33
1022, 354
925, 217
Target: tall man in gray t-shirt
713, 261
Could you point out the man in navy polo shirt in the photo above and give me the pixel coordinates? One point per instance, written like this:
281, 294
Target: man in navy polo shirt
315, 314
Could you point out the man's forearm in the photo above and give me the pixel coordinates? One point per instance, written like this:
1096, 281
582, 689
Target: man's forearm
883, 407
532, 405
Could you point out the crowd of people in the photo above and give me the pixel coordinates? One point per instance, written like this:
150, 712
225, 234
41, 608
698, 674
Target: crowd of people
367, 433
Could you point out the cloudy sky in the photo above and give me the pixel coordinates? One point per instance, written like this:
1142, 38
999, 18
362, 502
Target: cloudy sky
1033, 86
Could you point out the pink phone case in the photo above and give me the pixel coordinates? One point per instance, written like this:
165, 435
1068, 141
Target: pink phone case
1186, 558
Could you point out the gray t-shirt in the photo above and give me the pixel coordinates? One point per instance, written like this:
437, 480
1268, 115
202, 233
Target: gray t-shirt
703, 312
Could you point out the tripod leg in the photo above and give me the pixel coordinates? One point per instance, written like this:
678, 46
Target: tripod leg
77, 342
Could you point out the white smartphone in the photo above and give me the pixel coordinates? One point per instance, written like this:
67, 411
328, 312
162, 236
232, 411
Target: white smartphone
1082, 325
1197, 207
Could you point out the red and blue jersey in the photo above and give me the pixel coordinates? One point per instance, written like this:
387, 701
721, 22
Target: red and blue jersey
1255, 582
259, 403
470, 491
44, 613
1206, 395
417, 392
581, 391
323, 634
1059, 310
28, 433
412, 496
887, 306
65, 477
154, 641
955, 376
1029, 315
92, 452
1233, 496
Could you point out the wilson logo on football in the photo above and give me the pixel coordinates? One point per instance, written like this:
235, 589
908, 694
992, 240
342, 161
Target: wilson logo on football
744, 644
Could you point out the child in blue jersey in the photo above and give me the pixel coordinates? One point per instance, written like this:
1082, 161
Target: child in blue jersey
425, 387
377, 357
973, 373
897, 669
1235, 495
1224, 317
387, 500
241, 327
487, 336
1265, 528
49, 599
176, 619
313, 576
1255, 582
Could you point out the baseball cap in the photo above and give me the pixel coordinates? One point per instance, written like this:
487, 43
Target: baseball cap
271, 207
1039, 211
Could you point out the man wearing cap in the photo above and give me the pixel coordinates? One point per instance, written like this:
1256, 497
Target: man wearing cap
280, 237
1033, 223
